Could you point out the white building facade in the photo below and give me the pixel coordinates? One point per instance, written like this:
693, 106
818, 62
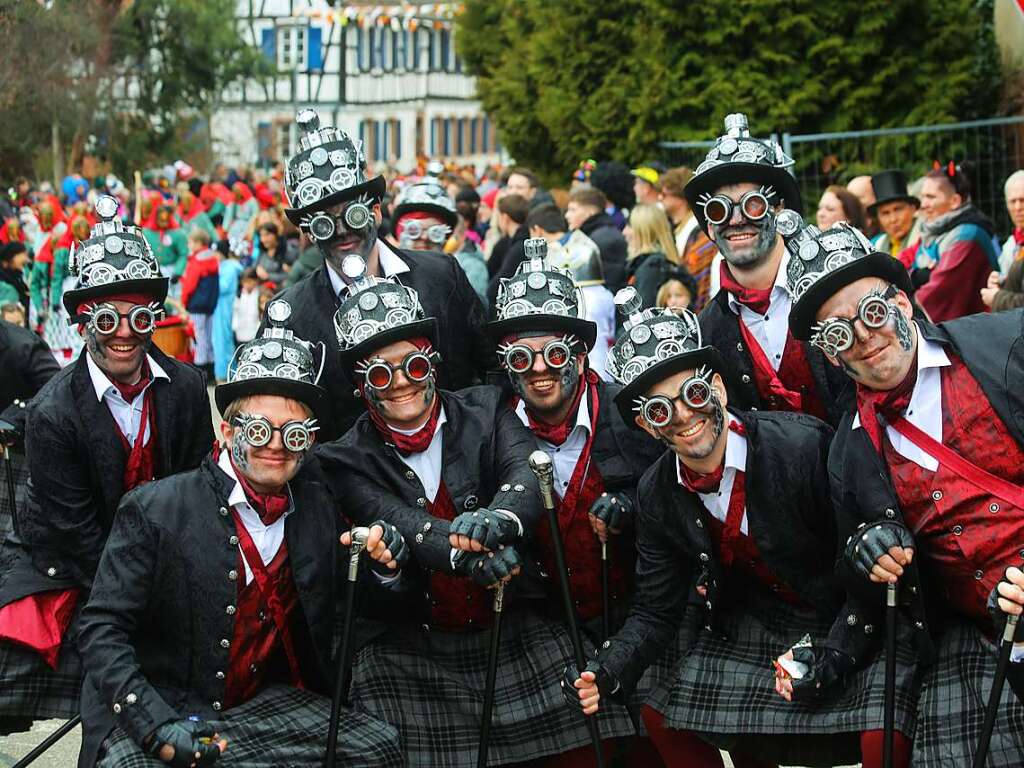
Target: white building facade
387, 73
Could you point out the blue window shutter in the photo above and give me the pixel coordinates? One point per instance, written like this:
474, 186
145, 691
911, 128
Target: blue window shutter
360, 48
447, 136
269, 44
376, 140
313, 51
433, 136
486, 137
362, 132
398, 139
445, 45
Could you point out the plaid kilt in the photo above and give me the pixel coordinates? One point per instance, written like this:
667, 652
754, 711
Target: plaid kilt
19, 466
30, 688
430, 685
724, 688
953, 698
282, 726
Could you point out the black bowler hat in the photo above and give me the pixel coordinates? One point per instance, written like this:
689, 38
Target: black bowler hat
889, 187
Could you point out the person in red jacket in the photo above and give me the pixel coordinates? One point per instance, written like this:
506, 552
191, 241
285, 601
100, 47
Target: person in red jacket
199, 294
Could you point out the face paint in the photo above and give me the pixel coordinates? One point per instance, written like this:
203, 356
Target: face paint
766, 233
367, 241
903, 333
570, 379
429, 391
93, 345
240, 451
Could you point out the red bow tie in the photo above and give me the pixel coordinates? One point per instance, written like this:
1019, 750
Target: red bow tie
757, 299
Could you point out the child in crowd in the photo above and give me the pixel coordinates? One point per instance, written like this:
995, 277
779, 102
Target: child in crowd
676, 294
245, 320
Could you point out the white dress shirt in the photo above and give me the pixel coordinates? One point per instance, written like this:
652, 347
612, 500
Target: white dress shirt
735, 461
925, 408
127, 416
564, 457
390, 264
267, 538
772, 329
427, 464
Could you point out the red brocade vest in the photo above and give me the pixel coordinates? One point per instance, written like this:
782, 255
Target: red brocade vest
968, 536
258, 649
457, 603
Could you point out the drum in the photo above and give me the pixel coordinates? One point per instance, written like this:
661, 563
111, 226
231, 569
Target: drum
171, 337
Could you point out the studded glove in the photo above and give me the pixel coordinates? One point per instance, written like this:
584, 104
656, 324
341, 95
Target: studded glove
999, 618
826, 667
488, 568
873, 540
489, 528
615, 510
606, 684
192, 742
395, 543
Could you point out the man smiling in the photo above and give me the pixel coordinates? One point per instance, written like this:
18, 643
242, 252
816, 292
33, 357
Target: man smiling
736, 195
120, 416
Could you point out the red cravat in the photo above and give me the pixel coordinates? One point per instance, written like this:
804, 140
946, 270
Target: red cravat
269, 506
417, 442
757, 299
701, 483
556, 434
889, 403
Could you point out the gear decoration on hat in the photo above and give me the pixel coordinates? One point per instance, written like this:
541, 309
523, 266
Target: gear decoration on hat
429, 196
814, 254
114, 259
539, 288
276, 363
739, 157
329, 168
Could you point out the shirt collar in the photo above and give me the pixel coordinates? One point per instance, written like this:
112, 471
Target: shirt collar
780, 287
929, 355
102, 385
582, 413
390, 264
735, 452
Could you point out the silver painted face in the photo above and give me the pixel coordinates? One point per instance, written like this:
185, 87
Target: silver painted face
257, 430
696, 392
836, 334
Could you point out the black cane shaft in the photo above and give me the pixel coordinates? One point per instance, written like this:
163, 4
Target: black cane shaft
563, 580
888, 734
11, 495
341, 676
992, 710
492, 675
48, 742
605, 600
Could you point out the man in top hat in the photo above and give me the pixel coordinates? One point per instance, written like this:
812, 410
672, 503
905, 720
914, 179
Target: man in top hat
736, 195
926, 474
334, 202
740, 506
895, 210
424, 216
207, 635
122, 415
450, 471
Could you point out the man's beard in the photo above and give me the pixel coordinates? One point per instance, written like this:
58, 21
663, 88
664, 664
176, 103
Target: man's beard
366, 245
766, 231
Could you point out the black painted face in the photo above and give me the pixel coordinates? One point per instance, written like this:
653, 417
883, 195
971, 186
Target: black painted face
745, 242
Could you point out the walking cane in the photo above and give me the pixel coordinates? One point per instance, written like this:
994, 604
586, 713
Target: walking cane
492, 674
890, 674
359, 536
997, 691
9, 471
541, 465
48, 742
605, 619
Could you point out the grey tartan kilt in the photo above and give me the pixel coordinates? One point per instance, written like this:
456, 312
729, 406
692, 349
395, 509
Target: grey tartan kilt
953, 698
724, 688
281, 726
430, 685
19, 468
29, 687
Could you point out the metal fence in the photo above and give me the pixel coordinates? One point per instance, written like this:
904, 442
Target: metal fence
994, 147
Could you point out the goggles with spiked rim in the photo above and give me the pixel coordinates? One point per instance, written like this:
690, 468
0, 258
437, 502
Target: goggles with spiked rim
105, 318
836, 334
417, 367
257, 430
696, 392
519, 358
754, 205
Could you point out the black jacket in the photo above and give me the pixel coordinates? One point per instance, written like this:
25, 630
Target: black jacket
27, 364
720, 327
485, 453
789, 515
158, 613
610, 241
862, 487
77, 464
445, 294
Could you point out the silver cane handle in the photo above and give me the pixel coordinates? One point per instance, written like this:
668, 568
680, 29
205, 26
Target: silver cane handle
1010, 628
359, 537
540, 464
890, 594
499, 597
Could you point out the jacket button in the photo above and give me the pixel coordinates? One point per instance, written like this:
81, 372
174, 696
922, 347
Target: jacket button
957, 530
223, 511
519, 487
219, 675
233, 541
505, 488
852, 619
410, 475
216, 706
51, 571
419, 538
993, 507
230, 610
700, 523
253, 668
868, 629
427, 526
704, 557
421, 501
746, 378
232, 575
936, 495
978, 575
739, 346
225, 643
890, 512
131, 698
425, 627
117, 709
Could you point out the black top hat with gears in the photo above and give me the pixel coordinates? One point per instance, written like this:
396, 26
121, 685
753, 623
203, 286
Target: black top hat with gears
276, 363
114, 259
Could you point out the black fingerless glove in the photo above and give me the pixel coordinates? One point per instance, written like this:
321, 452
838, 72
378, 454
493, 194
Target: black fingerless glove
827, 666
999, 618
614, 509
488, 568
872, 540
395, 543
489, 528
185, 736
606, 684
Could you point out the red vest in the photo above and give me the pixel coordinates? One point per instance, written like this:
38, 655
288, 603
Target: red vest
968, 536
258, 656
457, 603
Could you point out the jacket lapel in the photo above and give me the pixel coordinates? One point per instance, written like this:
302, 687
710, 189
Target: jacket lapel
102, 435
164, 418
